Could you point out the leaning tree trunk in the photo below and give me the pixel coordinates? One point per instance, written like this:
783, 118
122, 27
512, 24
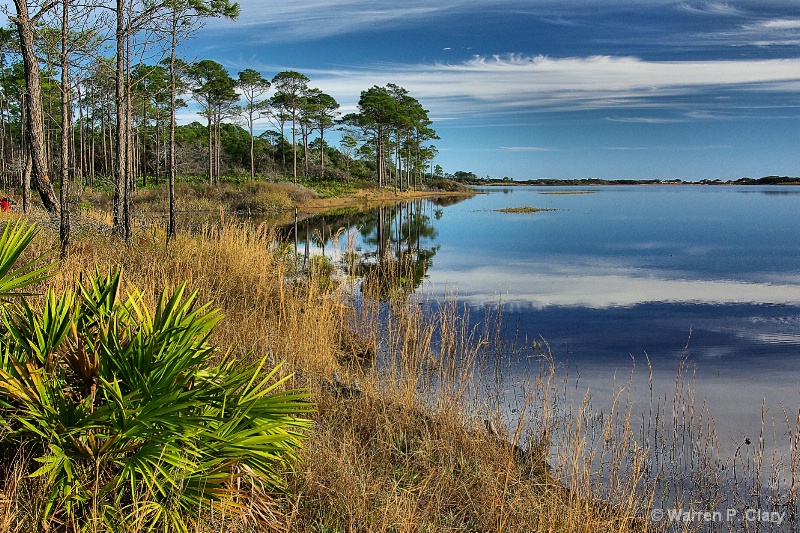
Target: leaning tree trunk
66, 131
35, 130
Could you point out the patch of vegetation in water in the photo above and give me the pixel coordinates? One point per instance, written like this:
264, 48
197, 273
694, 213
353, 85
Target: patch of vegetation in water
568, 192
524, 209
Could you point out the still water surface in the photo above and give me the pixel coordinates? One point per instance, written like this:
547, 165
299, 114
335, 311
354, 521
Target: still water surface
615, 276
624, 286
710, 274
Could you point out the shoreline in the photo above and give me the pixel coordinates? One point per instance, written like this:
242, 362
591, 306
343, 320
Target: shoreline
368, 198
597, 182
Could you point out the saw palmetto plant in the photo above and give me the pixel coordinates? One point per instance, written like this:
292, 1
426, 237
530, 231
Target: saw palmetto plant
134, 420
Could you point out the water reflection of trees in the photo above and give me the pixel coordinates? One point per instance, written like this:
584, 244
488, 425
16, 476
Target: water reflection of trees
444, 201
395, 249
400, 249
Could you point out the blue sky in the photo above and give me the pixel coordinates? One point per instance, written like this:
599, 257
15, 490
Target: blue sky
554, 89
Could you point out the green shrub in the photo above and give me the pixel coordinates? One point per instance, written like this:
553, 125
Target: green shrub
132, 423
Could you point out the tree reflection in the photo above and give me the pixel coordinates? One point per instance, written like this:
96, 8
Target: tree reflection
401, 240
395, 245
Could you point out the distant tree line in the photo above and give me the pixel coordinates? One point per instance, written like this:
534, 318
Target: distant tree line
470, 178
72, 115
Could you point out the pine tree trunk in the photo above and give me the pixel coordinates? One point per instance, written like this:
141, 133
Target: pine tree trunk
81, 152
66, 131
158, 150
305, 152
322, 152
143, 129
294, 147
218, 147
210, 148
252, 147
120, 163
3, 154
26, 183
35, 121
172, 95
130, 184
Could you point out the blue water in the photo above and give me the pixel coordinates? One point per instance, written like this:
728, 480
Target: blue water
603, 269
705, 274
622, 287
621, 278
624, 246
710, 275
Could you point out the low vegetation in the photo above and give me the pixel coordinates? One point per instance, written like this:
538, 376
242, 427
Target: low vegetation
258, 197
132, 418
524, 209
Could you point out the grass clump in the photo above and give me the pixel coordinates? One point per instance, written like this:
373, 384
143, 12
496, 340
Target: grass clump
567, 192
256, 197
524, 209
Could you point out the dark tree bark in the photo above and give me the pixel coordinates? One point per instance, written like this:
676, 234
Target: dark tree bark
121, 164
171, 230
66, 131
35, 121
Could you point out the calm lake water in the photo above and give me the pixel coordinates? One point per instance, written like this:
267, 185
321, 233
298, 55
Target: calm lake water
617, 275
624, 286
625, 274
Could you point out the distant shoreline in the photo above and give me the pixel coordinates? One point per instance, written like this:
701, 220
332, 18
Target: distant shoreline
767, 180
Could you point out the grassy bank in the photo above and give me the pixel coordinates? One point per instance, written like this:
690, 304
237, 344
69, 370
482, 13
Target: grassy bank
406, 447
275, 199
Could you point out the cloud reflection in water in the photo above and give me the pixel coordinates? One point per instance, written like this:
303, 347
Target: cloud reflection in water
544, 284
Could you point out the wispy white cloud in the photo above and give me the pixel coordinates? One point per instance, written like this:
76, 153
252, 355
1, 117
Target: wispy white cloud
489, 90
692, 148
778, 338
712, 8
766, 33
775, 24
646, 120
513, 83
315, 19
746, 28
775, 42
526, 149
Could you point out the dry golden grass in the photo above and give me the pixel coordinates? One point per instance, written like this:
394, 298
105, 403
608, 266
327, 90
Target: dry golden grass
405, 450
257, 197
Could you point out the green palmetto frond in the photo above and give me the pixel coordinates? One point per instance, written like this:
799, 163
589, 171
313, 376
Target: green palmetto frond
138, 422
15, 238
39, 332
